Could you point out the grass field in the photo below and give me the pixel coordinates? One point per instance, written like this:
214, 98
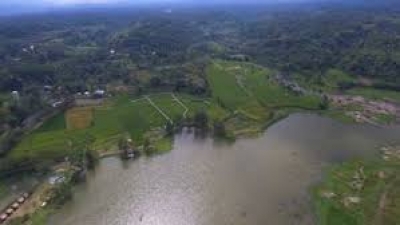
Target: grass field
55, 123
251, 96
256, 89
171, 107
377, 198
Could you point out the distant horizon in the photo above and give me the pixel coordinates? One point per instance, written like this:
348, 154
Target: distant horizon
15, 7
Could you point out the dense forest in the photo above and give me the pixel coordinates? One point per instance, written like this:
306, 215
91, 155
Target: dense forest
47, 57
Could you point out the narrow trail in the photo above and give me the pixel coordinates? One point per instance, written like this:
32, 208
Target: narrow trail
158, 109
239, 82
383, 204
182, 104
139, 99
381, 208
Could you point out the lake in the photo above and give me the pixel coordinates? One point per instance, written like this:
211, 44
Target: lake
264, 180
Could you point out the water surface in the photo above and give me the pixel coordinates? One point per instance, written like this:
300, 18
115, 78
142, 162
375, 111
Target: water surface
258, 181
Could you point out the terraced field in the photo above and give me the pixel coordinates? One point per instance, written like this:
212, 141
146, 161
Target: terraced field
239, 85
252, 97
105, 124
243, 97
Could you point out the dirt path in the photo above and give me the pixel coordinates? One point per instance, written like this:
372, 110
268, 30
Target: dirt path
239, 82
181, 103
158, 109
139, 99
381, 208
383, 204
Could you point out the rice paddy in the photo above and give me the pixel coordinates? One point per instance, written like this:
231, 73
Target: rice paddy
105, 125
242, 95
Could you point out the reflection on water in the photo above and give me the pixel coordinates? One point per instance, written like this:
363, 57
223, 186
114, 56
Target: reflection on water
253, 181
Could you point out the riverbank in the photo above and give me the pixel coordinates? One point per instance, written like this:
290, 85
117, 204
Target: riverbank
361, 192
51, 193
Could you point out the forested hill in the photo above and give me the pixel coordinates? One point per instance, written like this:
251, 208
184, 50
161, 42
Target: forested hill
73, 48
363, 41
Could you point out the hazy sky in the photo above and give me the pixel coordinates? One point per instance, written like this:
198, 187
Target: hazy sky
74, 2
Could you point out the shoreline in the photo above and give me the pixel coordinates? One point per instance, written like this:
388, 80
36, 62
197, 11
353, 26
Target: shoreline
277, 117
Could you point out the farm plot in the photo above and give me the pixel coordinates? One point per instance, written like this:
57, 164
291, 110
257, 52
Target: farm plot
79, 118
248, 87
225, 88
105, 124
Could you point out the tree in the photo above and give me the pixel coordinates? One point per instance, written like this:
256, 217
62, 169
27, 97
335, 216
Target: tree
219, 129
324, 104
201, 119
169, 129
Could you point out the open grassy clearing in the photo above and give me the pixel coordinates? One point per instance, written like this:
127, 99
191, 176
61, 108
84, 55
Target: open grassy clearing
224, 86
261, 89
272, 95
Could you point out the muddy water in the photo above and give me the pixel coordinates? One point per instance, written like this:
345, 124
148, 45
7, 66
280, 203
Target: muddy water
263, 181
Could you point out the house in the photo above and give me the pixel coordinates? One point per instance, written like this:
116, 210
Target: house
99, 93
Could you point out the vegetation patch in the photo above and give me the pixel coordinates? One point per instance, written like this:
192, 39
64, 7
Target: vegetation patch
361, 192
244, 99
108, 124
3, 190
385, 119
251, 95
375, 94
168, 105
333, 78
339, 115
55, 123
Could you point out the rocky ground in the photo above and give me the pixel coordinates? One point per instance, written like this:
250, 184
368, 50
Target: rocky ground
363, 110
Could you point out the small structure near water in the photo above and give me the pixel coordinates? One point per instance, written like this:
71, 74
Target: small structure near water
128, 150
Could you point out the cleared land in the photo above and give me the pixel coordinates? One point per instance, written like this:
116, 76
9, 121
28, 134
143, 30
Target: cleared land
79, 118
